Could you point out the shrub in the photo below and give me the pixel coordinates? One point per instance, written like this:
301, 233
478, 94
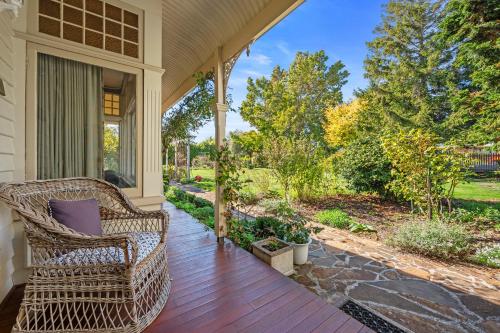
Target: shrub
335, 218
200, 202
210, 222
361, 227
203, 213
241, 232
277, 207
488, 256
434, 239
247, 198
187, 206
478, 215
364, 166
266, 226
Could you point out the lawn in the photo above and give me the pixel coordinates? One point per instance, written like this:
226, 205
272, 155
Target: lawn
261, 180
480, 190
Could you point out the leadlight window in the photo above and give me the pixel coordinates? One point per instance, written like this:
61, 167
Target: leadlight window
94, 23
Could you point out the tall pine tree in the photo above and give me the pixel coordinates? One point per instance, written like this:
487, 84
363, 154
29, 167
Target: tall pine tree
470, 29
406, 66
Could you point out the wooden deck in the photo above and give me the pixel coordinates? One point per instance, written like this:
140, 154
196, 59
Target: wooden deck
223, 288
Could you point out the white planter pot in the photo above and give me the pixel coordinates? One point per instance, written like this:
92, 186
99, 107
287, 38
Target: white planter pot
300, 252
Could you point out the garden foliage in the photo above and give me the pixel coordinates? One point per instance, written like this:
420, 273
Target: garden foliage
422, 170
365, 166
433, 238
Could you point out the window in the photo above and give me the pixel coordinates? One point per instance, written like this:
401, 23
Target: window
86, 122
95, 23
111, 104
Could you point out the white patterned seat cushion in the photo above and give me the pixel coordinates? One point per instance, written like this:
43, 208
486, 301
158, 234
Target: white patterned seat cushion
146, 242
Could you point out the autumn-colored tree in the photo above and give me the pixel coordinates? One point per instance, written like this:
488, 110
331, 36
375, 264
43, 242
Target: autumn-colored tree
341, 122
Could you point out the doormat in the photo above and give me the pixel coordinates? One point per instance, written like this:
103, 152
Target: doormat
368, 318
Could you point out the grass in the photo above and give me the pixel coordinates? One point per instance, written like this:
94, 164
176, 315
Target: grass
335, 218
261, 180
480, 190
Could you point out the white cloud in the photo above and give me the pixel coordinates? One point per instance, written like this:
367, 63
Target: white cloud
258, 59
283, 47
252, 73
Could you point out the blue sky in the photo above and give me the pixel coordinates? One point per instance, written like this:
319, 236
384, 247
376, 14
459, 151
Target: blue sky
339, 27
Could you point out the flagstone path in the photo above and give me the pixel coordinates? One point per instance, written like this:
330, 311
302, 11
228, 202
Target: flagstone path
420, 294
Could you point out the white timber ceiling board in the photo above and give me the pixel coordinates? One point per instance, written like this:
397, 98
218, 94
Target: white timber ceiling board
192, 30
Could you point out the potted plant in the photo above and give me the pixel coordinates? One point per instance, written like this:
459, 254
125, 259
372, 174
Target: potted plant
298, 235
276, 253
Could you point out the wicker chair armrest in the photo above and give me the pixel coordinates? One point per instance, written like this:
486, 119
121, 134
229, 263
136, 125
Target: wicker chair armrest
158, 218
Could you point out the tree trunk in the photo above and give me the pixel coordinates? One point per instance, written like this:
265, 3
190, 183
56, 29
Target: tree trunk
188, 161
176, 173
429, 195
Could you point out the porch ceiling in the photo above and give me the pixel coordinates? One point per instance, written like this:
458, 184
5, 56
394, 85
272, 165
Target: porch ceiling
193, 29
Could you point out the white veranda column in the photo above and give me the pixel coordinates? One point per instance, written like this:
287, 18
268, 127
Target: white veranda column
220, 109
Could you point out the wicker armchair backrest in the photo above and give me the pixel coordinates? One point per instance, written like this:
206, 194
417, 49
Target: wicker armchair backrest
30, 199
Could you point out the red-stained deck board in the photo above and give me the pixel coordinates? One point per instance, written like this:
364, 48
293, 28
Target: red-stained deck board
223, 288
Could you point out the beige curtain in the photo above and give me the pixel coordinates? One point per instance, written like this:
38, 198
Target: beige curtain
69, 119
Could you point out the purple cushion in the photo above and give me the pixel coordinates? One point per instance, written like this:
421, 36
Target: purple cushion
82, 216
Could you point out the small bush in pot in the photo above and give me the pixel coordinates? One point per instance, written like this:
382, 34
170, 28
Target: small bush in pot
297, 233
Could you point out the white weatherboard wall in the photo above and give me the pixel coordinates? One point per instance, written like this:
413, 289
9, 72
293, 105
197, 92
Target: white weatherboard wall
7, 150
13, 71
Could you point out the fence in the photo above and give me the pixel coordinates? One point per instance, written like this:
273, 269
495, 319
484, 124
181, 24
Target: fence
483, 161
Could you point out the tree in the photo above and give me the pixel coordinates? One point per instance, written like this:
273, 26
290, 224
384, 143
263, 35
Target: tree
288, 110
470, 28
406, 66
422, 170
191, 113
111, 147
248, 146
341, 122
292, 102
364, 165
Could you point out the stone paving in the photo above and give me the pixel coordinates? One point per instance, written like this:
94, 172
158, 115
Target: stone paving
420, 294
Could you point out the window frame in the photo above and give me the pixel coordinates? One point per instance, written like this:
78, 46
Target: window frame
31, 107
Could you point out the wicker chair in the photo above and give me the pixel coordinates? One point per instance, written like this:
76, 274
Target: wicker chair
118, 282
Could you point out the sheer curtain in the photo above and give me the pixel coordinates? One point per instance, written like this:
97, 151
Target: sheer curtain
69, 119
